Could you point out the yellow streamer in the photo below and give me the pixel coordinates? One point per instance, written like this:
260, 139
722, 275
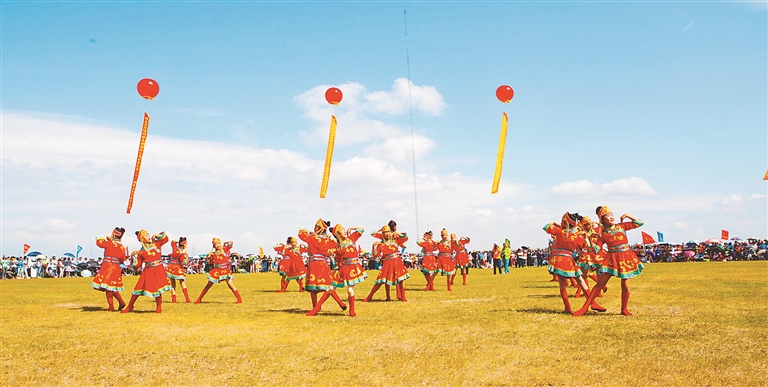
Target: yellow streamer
328, 158
144, 129
766, 176
500, 156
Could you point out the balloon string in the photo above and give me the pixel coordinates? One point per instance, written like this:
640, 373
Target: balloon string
410, 110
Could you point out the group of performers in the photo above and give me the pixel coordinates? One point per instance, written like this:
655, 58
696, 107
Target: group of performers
582, 249
334, 262
156, 279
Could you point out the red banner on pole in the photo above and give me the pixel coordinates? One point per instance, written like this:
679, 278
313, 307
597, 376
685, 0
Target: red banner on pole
144, 129
26, 248
724, 235
647, 239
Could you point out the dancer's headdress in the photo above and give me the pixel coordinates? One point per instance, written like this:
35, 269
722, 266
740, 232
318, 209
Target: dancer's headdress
182, 241
117, 233
602, 211
142, 234
215, 241
338, 231
323, 224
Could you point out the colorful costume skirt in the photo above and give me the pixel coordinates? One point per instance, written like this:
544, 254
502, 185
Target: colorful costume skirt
623, 264
176, 271
389, 272
349, 275
296, 269
220, 274
462, 260
152, 282
110, 277
587, 262
429, 264
319, 277
402, 271
564, 266
283, 266
445, 265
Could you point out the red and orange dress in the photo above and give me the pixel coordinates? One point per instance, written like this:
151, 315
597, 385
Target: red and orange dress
390, 272
429, 260
110, 276
566, 243
296, 269
285, 263
177, 267
444, 260
319, 277
222, 267
620, 261
153, 281
350, 271
461, 257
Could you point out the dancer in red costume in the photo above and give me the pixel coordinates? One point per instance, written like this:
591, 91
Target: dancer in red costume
350, 271
620, 261
319, 277
401, 272
110, 277
461, 257
222, 269
291, 267
429, 260
568, 239
153, 281
388, 249
589, 261
444, 261
177, 268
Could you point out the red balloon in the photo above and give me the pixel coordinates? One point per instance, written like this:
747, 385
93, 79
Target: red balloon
148, 88
333, 96
505, 93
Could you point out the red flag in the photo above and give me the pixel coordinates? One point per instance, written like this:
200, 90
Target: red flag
26, 248
647, 239
724, 235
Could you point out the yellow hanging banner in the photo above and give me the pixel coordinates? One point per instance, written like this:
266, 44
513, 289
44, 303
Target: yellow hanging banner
500, 155
144, 129
328, 158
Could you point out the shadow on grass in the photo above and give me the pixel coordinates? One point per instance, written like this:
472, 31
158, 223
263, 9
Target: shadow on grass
291, 310
543, 296
91, 309
541, 311
540, 286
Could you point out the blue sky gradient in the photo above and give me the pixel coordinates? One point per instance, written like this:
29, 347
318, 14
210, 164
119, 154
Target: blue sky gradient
673, 94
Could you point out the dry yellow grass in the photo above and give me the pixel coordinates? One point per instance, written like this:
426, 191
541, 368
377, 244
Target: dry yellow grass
694, 324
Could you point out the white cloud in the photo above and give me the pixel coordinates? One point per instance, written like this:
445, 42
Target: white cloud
732, 200
756, 196
353, 122
401, 149
75, 187
631, 186
576, 188
395, 101
634, 186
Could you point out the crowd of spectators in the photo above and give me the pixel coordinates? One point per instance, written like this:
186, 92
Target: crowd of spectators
714, 250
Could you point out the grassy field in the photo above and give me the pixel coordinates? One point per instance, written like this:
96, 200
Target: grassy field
694, 324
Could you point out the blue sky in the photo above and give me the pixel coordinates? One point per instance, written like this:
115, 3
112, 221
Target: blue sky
656, 109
